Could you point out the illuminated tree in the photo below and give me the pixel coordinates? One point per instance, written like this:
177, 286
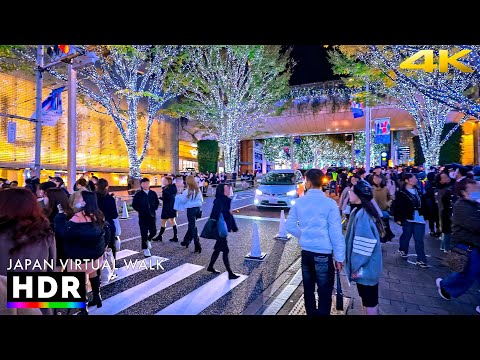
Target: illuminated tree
416, 91
128, 83
232, 88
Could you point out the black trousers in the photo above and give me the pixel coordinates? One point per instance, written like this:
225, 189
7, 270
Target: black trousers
192, 232
148, 228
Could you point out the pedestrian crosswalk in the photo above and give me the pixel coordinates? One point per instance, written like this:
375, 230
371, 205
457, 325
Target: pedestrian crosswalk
192, 303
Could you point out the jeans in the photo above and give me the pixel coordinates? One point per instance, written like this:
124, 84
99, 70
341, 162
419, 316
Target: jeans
317, 269
148, 228
333, 184
456, 283
445, 244
418, 232
192, 232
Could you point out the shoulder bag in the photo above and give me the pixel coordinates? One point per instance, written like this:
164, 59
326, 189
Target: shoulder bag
210, 230
457, 259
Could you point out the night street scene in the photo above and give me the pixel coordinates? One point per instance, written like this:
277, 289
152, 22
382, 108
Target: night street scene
303, 180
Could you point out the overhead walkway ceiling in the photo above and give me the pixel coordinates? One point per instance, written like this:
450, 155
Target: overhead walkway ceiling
293, 122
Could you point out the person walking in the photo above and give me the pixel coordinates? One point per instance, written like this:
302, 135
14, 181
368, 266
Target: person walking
363, 261
384, 201
221, 205
75, 198
108, 205
333, 183
192, 200
85, 237
146, 203
431, 205
390, 184
408, 212
465, 235
444, 200
169, 191
54, 198
315, 221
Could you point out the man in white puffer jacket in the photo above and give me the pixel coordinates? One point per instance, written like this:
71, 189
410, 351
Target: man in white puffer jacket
315, 220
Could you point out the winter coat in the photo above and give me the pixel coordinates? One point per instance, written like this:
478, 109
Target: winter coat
466, 222
168, 201
405, 205
382, 197
430, 203
44, 249
81, 240
444, 201
222, 205
315, 220
107, 204
363, 249
144, 204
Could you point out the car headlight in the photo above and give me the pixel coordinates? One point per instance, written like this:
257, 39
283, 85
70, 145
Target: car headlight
258, 192
292, 193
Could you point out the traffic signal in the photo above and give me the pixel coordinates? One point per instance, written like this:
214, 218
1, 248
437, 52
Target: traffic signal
57, 51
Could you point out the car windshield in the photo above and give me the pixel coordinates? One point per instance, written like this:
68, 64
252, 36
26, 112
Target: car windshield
278, 179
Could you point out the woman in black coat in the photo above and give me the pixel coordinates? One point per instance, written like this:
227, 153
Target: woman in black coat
431, 205
169, 191
107, 204
221, 205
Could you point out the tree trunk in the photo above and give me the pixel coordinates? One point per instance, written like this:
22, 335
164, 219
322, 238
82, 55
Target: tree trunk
134, 175
230, 150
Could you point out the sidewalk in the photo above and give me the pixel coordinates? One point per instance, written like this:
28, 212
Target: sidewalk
405, 289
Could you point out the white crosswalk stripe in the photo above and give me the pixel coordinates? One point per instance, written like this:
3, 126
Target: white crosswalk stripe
201, 298
133, 295
191, 304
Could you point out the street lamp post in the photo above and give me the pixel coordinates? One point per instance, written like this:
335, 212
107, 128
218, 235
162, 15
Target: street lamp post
38, 110
72, 127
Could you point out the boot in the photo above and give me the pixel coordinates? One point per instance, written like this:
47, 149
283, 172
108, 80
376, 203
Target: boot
175, 237
159, 236
97, 299
212, 262
231, 274
198, 247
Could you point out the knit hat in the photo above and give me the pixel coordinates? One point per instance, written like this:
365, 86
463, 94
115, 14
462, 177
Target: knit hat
363, 190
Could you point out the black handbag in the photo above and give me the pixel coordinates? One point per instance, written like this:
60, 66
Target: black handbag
199, 214
210, 230
339, 305
457, 259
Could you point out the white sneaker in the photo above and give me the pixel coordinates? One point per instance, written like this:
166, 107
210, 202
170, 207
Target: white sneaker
147, 253
477, 309
149, 244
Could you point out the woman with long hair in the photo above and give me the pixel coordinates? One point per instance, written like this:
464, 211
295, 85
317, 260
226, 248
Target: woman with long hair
108, 206
221, 205
25, 231
25, 234
81, 185
363, 261
169, 191
383, 199
85, 237
54, 198
192, 200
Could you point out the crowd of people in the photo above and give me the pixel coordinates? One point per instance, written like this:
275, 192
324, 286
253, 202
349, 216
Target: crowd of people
447, 197
334, 233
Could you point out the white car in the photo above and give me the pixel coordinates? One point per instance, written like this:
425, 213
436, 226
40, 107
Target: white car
279, 188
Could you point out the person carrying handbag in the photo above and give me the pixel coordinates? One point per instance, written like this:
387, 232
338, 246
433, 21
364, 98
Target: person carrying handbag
465, 236
221, 206
192, 200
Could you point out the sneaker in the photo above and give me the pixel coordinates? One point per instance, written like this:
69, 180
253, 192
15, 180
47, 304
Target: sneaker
442, 249
149, 244
477, 309
442, 292
147, 253
422, 264
403, 254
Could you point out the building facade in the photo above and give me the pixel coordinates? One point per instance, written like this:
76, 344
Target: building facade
100, 147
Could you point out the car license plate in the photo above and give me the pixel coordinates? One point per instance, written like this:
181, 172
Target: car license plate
273, 200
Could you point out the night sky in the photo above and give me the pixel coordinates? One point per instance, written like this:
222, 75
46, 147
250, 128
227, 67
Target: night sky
312, 65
